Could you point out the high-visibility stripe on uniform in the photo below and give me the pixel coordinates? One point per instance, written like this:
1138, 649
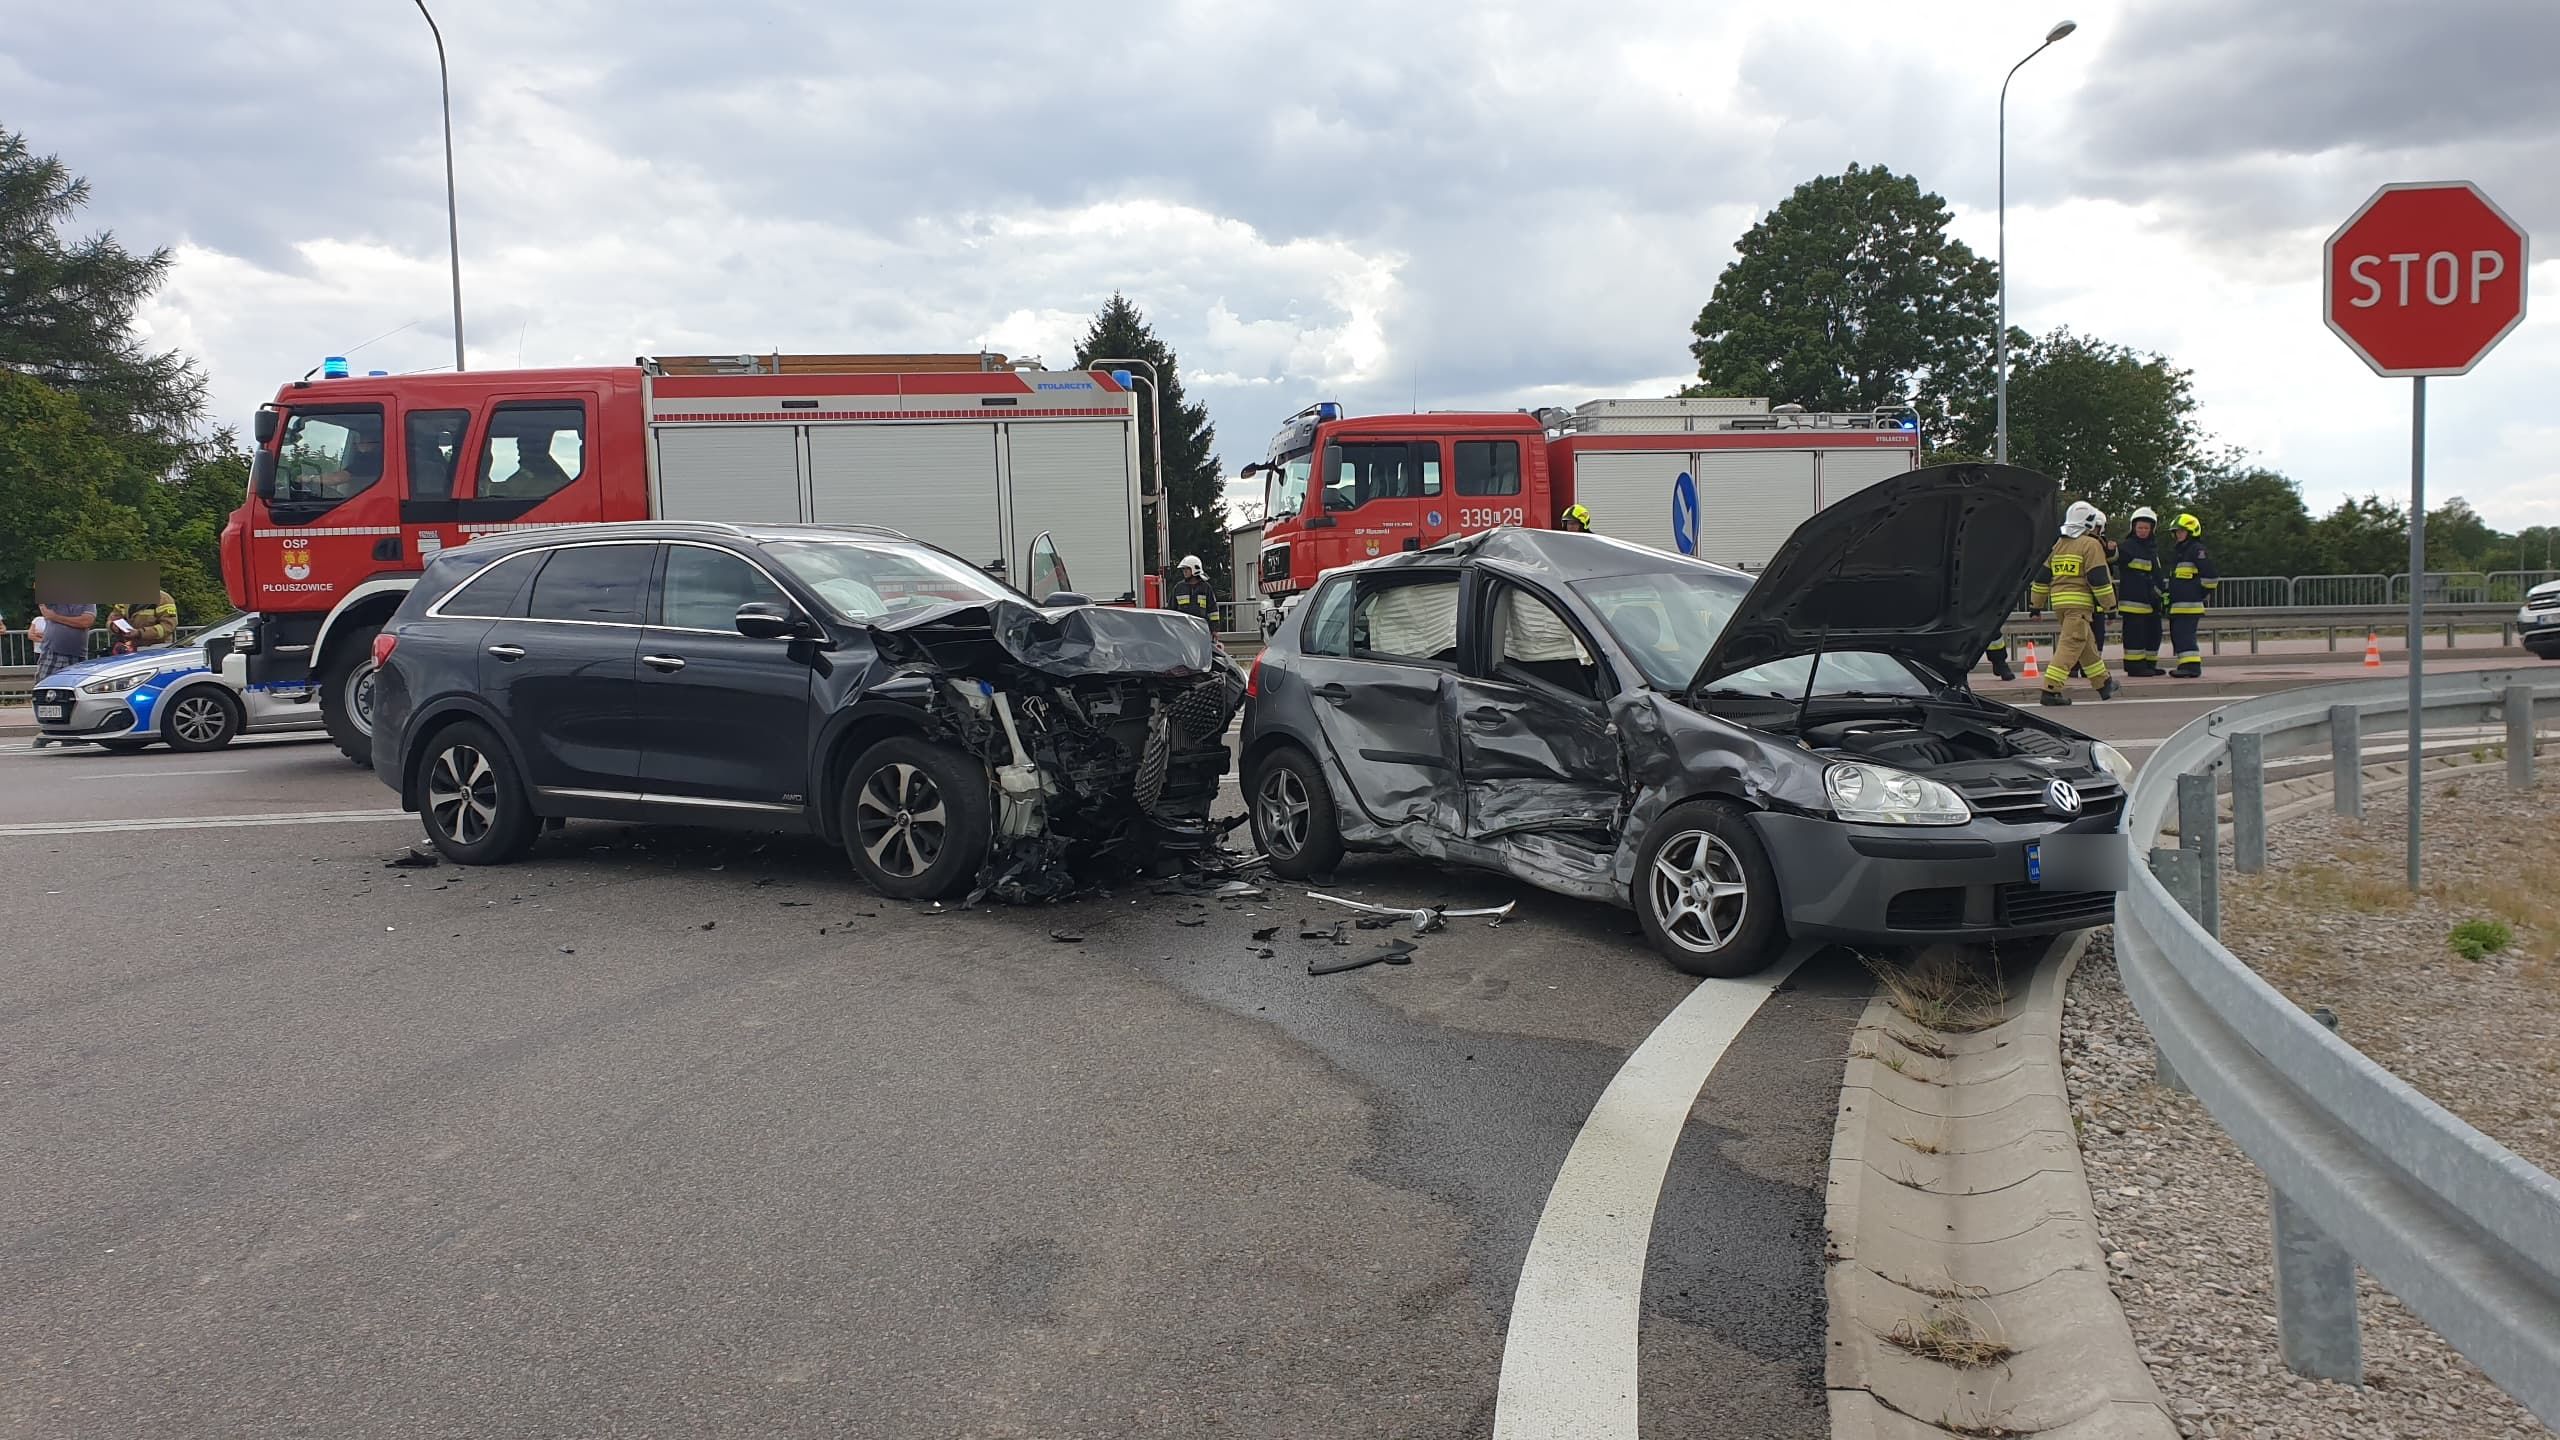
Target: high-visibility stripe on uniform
2185, 572
2072, 600
2187, 607
2134, 607
2137, 564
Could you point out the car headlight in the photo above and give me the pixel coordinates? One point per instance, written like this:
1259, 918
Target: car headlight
113, 684
1891, 797
2111, 760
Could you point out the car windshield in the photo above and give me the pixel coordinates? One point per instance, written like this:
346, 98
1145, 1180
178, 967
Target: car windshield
1668, 620
1285, 493
864, 582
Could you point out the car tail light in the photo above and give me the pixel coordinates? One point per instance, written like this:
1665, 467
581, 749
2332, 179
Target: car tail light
383, 645
1253, 677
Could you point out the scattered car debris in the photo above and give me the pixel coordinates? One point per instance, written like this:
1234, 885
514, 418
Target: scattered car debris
1191, 922
708, 925
1425, 920
1263, 952
1266, 932
411, 860
1394, 952
1067, 937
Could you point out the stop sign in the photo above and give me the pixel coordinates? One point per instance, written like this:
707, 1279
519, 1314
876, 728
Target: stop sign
2424, 278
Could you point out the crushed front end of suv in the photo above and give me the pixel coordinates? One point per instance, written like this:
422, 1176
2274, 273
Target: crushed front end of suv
1742, 760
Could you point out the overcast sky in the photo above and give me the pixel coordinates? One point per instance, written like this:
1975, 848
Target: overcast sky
1470, 203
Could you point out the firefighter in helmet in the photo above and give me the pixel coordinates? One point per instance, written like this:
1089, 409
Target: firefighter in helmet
1577, 520
2138, 592
2075, 583
1192, 593
2191, 580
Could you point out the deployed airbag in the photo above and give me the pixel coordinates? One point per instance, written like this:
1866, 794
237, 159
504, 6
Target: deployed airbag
1069, 643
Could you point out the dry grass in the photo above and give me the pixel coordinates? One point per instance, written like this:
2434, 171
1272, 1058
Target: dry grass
1925, 1147
1920, 1045
1951, 1338
1944, 1287
1944, 989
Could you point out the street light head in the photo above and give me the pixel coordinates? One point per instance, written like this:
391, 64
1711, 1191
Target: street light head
2058, 31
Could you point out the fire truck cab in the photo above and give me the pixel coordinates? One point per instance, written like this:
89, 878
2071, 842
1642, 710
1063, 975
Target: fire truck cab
358, 481
1725, 479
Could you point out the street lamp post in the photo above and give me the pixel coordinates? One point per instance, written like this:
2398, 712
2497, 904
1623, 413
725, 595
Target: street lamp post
1155, 422
452, 223
2000, 341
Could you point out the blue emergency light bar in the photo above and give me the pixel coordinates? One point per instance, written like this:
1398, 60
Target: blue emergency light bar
334, 368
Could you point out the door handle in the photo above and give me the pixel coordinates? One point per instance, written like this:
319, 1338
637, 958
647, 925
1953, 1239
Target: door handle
1487, 716
668, 663
507, 652
1333, 691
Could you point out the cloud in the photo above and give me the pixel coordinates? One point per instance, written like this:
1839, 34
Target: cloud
1507, 204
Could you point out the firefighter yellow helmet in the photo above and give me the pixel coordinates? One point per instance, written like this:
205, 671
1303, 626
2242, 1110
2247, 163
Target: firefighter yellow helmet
1578, 517
2188, 523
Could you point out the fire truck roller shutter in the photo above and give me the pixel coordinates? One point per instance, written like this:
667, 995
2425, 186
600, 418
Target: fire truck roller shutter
1750, 501
1846, 472
1071, 479
1628, 492
744, 474
934, 482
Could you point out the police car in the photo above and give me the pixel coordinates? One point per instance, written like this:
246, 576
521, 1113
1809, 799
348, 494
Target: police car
2539, 620
176, 694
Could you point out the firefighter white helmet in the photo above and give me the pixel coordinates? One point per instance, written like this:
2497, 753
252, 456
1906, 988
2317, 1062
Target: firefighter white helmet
2083, 518
2145, 512
1190, 563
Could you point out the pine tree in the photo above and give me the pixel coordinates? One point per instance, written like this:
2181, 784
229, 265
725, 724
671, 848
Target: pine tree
1120, 331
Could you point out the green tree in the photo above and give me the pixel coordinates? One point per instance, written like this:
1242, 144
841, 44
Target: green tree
1120, 332
2365, 535
2458, 539
53, 502
1851, 296
2254, 519
67, 306
2114, 426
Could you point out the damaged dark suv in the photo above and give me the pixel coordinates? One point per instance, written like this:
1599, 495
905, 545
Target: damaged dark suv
954, 736
1742, 760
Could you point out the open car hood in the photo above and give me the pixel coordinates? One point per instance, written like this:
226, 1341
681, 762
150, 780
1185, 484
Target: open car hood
1925, 566
981, 639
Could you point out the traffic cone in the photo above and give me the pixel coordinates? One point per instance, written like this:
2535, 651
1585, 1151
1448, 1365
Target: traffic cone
2033, 670
2373, 649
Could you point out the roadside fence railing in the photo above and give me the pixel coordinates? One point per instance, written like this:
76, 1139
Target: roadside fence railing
2363, 1171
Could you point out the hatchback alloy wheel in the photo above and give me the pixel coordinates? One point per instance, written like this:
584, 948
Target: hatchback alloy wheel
1698, 891
1285, 809
462, 794
899, 820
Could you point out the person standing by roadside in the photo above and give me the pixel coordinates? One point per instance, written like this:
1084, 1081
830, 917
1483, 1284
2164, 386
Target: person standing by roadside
2138, 592
1192, 594
2075, 582
2191, 580
65, 644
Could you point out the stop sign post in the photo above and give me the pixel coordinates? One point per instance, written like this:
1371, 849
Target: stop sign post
2423, 280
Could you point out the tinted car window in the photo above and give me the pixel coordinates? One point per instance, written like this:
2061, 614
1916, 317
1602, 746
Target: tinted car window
862, 580
704, 588
1488, 467
1414, 620
496, 593
600, 583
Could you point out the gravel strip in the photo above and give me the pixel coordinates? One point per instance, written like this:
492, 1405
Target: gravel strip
2332, 922
2183, 1215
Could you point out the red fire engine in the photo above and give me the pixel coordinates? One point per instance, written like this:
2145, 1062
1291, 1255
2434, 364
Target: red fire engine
357, 480
1722, 479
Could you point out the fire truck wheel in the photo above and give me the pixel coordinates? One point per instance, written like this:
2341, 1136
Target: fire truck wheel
346, 695
470, 800
916, 819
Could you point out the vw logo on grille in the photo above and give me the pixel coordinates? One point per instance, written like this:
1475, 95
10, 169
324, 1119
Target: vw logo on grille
2062, 798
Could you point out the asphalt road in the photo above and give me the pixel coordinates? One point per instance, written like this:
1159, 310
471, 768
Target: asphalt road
676, 1133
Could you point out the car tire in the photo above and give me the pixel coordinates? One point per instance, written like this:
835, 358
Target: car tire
1293, 817
917, 819
1705, 851
470, 799
122, 747
201, 717
346, 694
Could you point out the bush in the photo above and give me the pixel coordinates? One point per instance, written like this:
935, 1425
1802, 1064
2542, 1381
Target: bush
2480, 939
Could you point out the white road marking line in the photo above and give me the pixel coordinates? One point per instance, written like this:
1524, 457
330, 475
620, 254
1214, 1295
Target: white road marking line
203, 822
1569, 1360
158, 774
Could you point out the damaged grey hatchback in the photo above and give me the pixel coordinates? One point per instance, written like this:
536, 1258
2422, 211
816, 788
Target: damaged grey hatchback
1744, 761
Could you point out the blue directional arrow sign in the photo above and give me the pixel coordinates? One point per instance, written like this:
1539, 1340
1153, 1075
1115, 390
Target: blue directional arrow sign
1684, 513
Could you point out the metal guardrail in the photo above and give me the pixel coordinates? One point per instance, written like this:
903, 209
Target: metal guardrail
2445, 587
2364, 1171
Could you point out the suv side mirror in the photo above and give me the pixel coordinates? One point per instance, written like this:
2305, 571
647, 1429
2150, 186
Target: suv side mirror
764, 620
1059, 598
262, 475
264, 427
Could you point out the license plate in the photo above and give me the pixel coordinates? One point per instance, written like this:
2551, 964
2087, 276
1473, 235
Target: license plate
2035, 862
2077, 862
53, 712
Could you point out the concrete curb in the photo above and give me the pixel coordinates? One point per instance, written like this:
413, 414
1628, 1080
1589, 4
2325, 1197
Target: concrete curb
1992, 1225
